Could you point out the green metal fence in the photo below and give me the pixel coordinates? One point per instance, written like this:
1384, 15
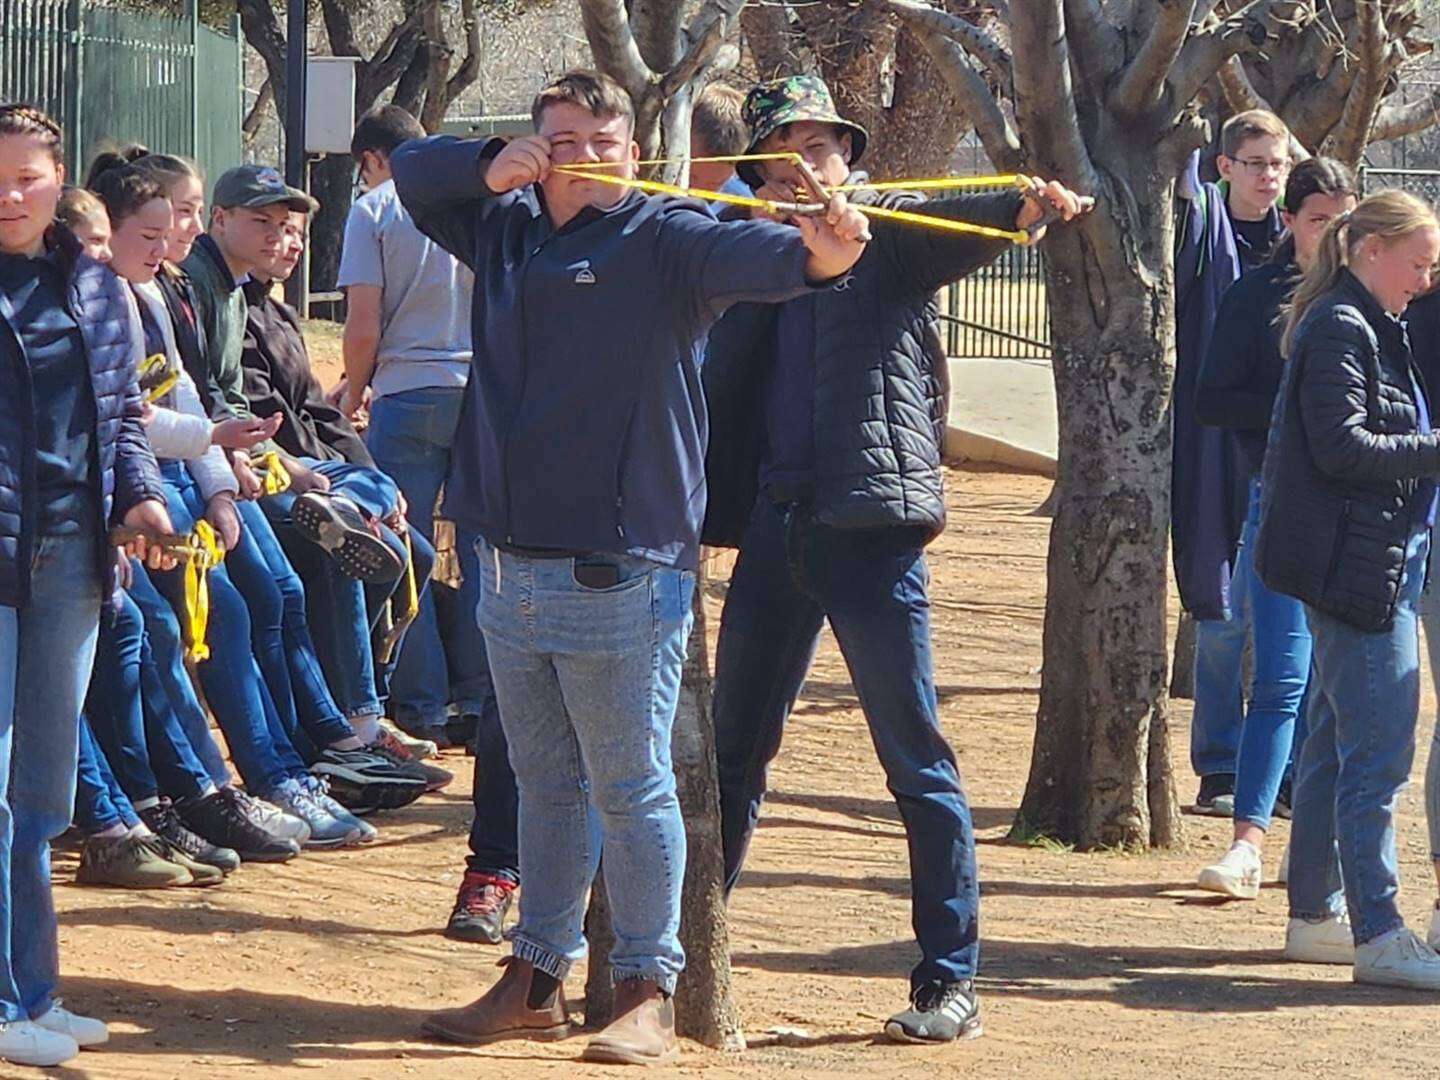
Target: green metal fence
113, 76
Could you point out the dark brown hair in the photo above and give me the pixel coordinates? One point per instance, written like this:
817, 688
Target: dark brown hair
17, 119
597, 94
125, 190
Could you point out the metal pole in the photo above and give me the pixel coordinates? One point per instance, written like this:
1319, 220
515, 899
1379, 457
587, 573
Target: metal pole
297, 289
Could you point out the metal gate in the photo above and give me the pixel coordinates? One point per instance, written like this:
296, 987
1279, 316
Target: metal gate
1422, 182
114, 76
1000, 311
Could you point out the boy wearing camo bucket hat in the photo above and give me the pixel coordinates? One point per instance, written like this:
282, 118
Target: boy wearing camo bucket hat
827, 415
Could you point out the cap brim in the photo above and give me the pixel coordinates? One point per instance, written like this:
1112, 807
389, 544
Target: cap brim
293, 198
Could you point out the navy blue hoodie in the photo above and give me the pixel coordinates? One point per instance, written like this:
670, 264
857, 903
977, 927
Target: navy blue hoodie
584, 423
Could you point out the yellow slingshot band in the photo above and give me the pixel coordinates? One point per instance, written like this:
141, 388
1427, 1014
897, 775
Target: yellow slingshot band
594, 171
273, 476
205, 555
156, 377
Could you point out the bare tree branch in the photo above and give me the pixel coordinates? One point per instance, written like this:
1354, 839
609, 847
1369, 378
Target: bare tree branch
979, 44
1348, 139
250, 126
1239, 92
705, 35
656, 25
772, 43
1144, 79
607, 28
1249, 28
1094, 41
437, 69
469, 69
340, 29
1044, 94
262, 31
992, 126
1409, 118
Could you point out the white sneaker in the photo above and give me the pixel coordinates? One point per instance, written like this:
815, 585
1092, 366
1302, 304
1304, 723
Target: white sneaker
1237, 873
83, 1029
1433, 937
1398, 958
275, 821
25, 1042
1283, 877
1320, 941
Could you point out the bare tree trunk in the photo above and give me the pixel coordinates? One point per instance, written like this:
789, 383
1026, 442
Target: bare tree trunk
705, 1007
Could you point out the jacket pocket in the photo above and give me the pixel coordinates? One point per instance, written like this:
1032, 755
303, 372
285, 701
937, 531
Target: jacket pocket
1337, 548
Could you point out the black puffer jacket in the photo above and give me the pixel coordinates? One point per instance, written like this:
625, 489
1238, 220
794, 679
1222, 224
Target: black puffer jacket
881, 379
1348, 474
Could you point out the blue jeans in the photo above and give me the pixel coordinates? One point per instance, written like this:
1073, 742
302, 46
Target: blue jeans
233, 685
341, 611
1281, 663
410, 436
791, 575
1357, 753
1430, 616
1219, 676
588, 681
46, 650
113, 705
183, 753
495, 826
280, 636
100, 803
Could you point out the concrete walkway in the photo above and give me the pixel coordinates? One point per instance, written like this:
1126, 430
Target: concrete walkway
1003, 412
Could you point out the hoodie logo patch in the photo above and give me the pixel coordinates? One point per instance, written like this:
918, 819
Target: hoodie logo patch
583, 274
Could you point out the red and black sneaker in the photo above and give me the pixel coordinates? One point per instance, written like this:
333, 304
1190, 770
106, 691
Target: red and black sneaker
480, 908
392, 748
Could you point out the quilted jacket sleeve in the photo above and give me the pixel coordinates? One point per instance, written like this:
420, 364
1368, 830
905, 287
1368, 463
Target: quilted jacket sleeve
1334, 408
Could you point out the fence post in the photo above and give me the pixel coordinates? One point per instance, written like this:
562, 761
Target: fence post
192, 10
75, 50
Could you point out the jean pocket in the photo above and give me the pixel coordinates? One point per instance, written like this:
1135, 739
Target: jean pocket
605, 576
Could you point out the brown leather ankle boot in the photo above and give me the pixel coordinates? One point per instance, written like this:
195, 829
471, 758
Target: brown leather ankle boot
642, 1031
502, 1012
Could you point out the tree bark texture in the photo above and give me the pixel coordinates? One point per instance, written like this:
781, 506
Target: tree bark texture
705, 1008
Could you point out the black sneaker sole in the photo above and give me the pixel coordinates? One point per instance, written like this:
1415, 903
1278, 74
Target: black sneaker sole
362, 799
358, 552
972, 1029
474, 935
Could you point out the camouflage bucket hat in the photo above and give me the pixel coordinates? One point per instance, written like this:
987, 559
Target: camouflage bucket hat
772, 105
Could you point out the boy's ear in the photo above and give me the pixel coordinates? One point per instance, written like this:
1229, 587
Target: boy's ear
847, 146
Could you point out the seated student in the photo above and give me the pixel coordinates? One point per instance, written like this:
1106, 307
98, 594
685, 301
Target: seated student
120, 849
141, 216
84, 215
366, 777
278, 382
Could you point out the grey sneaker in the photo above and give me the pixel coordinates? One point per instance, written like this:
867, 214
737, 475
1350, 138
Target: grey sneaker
938, 1013
326, 831
275, 821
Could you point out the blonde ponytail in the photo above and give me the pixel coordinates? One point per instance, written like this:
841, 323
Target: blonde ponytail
1390, 215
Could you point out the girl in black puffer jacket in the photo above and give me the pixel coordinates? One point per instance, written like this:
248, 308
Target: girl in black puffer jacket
1349, 491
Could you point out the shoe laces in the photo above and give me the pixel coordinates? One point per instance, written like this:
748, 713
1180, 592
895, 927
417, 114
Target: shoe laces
934, 996
483, 894
391, 747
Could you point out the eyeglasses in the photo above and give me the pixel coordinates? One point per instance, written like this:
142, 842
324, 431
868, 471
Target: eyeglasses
1260, 166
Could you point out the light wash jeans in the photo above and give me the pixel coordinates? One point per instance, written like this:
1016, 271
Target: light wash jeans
46, 650
1360, 743
588, 681
1219, 674
1282, 648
